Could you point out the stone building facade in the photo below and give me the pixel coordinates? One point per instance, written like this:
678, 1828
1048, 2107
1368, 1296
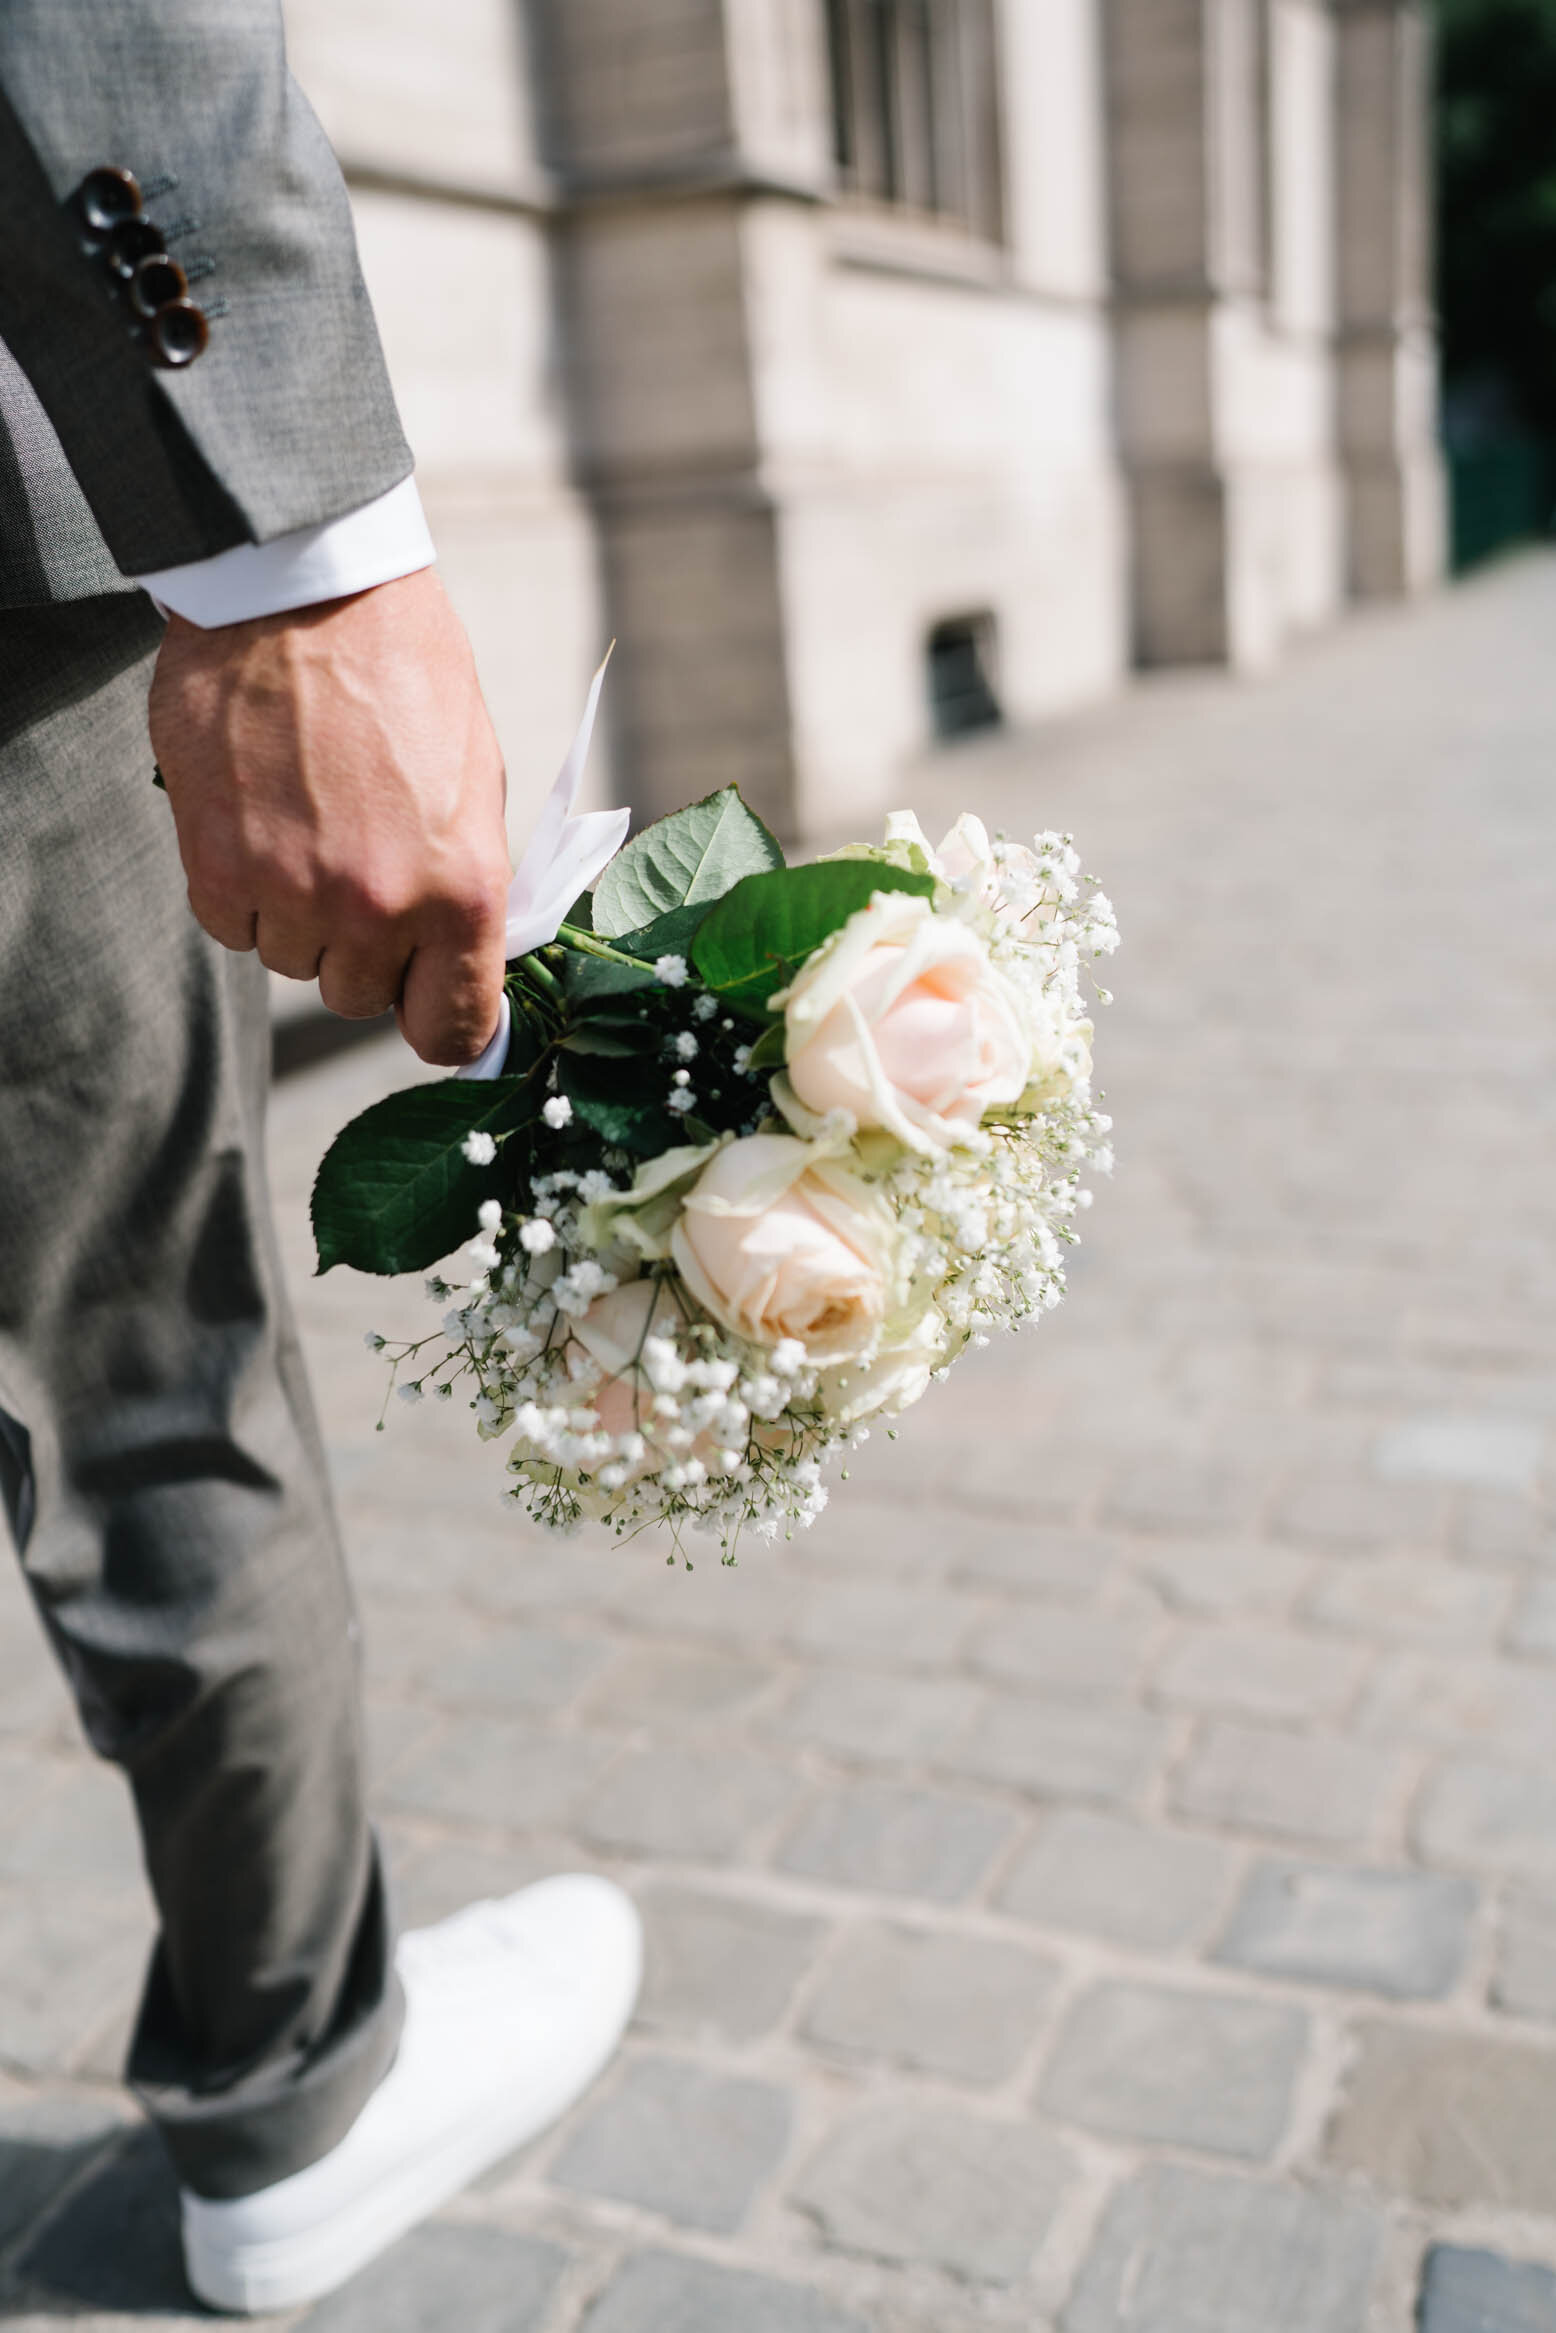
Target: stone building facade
867, 365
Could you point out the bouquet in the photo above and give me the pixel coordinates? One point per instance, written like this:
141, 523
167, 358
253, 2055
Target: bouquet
766, 1149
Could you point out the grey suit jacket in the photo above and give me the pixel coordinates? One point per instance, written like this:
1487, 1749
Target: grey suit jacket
110, 467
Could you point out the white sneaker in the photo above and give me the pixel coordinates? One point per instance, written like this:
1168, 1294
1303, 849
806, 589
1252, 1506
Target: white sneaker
511, 2010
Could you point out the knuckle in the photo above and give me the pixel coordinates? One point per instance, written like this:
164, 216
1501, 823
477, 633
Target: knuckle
293, 959
474, 901
354, 996
362, 897
450, 1038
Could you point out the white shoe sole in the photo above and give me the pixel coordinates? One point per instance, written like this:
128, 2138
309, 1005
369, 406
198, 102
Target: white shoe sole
257, 2279
255, 2276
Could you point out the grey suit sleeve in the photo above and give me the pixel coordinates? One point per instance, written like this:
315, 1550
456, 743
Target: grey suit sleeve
287, 419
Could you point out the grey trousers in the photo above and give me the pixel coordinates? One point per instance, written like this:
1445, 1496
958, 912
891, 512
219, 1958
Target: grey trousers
159, 1461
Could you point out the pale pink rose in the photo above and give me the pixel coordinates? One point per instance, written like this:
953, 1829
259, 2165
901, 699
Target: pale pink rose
612, 1332
775, 1240
903, 1022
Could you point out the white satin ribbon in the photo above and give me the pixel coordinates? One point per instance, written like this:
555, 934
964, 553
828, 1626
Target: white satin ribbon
564, 857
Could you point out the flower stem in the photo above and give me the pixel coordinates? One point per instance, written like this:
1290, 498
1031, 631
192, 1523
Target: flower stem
587, 945
543, 978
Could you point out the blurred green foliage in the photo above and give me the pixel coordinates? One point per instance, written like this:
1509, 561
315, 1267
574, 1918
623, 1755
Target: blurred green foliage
1496, 185
1496, 162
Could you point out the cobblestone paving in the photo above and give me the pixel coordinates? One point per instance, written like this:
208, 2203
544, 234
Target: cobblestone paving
1104, 1879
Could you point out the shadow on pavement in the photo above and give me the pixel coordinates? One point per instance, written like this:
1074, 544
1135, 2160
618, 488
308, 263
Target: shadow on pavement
112, 2244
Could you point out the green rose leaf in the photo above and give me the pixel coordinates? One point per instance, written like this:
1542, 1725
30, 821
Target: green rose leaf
395, 1192
590, 978
692, 856
767, 1052
623, 1108
667, 935
757, 937
605, 1039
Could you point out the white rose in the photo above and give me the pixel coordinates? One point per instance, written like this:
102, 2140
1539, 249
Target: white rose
903, 1022
965, 852
1007, 879
778, 1242
891, 1383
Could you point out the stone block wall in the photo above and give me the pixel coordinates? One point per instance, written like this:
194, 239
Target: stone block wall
431, 112
937, 429
668, 377
1223, 166
1386, 349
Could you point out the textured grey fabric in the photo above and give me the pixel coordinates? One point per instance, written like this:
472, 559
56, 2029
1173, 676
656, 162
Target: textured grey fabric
287, 419
159, 1460
50, 546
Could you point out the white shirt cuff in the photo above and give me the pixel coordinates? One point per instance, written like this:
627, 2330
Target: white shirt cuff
376, 544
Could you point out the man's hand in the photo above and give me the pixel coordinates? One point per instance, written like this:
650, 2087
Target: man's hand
338, 795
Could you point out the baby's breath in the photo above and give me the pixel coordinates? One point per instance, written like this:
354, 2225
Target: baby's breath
709, 1432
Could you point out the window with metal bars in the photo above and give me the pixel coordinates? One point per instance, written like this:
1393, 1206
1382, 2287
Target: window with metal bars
915, 99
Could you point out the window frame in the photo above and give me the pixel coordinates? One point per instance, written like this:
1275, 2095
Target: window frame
916, 111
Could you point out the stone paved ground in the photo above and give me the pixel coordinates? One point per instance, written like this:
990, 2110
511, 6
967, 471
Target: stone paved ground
1104, 1880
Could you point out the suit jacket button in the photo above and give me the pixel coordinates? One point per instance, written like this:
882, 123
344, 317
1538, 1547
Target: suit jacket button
178, 333
105, 197
156, 282
131, 241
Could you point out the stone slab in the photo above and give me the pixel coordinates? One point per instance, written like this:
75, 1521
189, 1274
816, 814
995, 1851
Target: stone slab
1221, 1579
1533, 1628
1362, 1515
1190, 2069
1155, 1891
962, 2006
1072, 1655
1292, 1786
1403, 1933
906, 1842
675, 1689
677, 1801
69, 1959
1466, 2291
482, 2280
1187, 2251
1104, 1754
1410, 1599
720, 1967
511, 1775
1043, 1560
678, 2139
1481, 1453
918, 2185
1453, 2119
883, 1623
665, 2292
1175, 1495
1489, 1817
1269, 1673
874, 1720
1525, 1980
